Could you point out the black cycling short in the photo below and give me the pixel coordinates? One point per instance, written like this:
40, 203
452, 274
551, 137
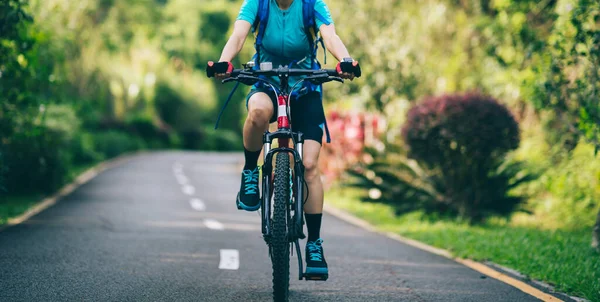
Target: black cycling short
307, 112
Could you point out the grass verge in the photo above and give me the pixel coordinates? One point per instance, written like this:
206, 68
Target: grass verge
561, 258
14, 205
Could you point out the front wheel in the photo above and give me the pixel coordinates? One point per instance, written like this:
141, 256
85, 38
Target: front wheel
280, 246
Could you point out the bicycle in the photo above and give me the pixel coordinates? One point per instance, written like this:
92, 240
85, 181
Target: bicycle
284, 187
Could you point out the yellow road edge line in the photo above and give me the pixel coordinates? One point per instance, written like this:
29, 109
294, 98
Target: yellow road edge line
524, 287
482, 268
83, 178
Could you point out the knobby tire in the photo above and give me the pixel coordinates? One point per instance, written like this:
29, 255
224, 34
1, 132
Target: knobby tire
280, 246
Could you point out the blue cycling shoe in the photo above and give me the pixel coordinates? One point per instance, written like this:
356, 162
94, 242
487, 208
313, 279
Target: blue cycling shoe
249, 198
316, 266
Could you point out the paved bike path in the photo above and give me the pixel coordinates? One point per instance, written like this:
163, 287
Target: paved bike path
153, 229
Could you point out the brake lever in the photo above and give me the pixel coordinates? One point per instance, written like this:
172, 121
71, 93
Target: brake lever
337, 79
242, 79
227, 80
318, 79
246, 80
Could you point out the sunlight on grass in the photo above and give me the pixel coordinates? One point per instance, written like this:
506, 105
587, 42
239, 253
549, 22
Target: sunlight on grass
561, 258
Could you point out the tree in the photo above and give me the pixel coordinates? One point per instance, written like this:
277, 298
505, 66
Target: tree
571, 85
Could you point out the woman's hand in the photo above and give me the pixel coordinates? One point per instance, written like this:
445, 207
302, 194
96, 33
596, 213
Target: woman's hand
220, 70
348, 69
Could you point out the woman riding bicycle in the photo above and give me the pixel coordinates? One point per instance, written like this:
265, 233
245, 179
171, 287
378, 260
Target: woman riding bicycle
285, 41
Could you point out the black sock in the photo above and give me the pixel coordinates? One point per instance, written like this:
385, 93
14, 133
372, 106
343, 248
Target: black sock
251, 159
313, 224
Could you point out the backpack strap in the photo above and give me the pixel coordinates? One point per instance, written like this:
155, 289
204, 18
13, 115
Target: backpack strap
309, 15
259, 27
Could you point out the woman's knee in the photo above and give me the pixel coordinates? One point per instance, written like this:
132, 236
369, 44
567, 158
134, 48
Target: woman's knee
260, 109
311, 168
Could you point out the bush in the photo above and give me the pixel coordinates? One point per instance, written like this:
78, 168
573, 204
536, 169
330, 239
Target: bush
192, 139
454, 162
113, 143
142, 126
35, 162
350, 133
3, 171
463, 140
84, 149
221, 140
38, 155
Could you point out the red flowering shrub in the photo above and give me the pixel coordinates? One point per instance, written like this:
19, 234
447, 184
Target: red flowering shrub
350, 132
462, 140
451, 130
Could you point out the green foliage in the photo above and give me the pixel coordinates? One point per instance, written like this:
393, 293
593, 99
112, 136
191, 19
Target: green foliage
88, 80
83, 149
113, 143
566, 194
571, 76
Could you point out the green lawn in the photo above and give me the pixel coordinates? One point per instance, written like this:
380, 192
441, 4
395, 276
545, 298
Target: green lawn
561, 258
13, 205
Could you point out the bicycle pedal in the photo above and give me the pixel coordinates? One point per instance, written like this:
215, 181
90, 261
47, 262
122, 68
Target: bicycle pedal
316, 277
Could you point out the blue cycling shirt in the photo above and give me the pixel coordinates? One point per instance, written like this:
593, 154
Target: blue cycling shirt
284, 40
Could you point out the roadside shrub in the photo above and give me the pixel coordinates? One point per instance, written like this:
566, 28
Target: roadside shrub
220, 140
143, 126
2, 172
113, 143
192, 139
452, 163
350, 133
83, 149
463, 140
35, 162
38, 156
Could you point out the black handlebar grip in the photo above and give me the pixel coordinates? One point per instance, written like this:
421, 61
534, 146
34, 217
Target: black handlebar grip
351, 67
213, 68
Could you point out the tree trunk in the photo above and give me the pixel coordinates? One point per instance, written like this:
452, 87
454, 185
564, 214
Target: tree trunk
596, 235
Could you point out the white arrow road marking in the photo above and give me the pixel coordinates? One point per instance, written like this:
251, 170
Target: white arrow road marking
197, 204
213, 224
188, 190
230, 259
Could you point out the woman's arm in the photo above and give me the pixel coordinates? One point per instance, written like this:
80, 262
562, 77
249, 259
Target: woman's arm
333, 42
236, 41
335, 46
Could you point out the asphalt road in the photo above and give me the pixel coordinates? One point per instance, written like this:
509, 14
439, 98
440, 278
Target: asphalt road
153, 229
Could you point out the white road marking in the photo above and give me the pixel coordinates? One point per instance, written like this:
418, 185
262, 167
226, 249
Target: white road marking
230, 260
197, 204
213, 224
181, 179
188, 190
177, 167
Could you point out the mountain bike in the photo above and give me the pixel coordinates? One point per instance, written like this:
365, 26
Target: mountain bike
283, 185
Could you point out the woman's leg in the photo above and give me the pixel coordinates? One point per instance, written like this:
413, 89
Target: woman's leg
260, 111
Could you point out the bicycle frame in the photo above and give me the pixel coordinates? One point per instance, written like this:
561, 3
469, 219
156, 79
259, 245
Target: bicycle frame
283, 136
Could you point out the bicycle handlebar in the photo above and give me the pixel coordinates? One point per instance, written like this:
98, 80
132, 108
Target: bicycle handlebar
250, 76
283, 71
